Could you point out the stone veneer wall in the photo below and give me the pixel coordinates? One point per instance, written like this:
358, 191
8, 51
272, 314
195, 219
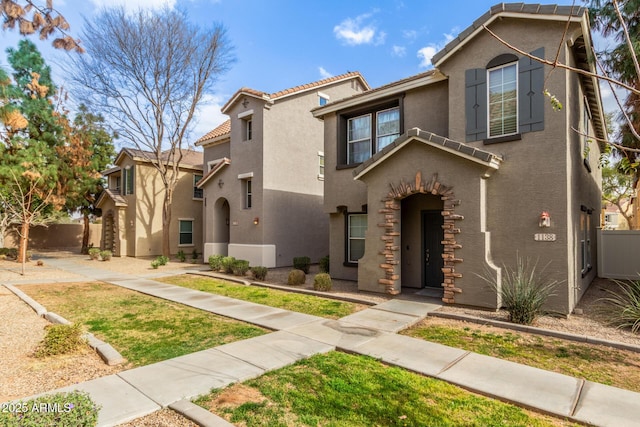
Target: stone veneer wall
391, 211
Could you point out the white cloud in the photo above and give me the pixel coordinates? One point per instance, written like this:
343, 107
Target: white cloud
132, 5
356, 32
425, 54
410, 34
324, 73
399, 51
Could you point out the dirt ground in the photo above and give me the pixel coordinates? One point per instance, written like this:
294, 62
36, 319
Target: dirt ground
21, 330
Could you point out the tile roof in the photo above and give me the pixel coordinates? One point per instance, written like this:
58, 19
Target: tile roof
507, 8
214, 170
459, 148
116, 197
222, 130
189, 157
297, 89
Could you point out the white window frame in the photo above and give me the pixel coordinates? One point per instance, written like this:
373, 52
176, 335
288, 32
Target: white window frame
321, 165
378, 136
323, 97
351, 238
180, 232
349, 141
517, 129
586, 122
248, 193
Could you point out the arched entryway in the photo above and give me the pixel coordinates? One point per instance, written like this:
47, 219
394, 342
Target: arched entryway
421, 243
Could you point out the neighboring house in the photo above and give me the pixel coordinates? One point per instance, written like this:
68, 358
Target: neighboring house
132, 206
264, 176
436, 179
612, 217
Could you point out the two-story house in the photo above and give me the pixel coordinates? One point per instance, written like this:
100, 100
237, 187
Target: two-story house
436, 179
132, 206
263, 186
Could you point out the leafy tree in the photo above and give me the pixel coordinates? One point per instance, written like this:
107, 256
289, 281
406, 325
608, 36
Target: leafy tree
147, 72
31, 17
30, 165
88, 150
618, 188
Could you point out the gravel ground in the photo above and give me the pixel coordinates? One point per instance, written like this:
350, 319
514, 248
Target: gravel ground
21, 330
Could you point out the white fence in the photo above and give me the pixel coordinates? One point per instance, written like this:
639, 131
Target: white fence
619, 254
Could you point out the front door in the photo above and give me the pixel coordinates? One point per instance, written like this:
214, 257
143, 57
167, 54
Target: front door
432, 236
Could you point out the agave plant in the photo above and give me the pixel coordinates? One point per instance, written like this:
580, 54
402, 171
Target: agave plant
524, 289
623, 305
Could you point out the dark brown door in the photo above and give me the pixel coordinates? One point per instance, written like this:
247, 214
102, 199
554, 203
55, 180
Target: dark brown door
432, 236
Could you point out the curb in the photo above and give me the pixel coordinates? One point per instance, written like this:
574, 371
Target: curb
106, 352
198, 415
539, 331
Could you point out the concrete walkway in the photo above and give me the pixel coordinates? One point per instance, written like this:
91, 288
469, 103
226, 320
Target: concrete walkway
171, 383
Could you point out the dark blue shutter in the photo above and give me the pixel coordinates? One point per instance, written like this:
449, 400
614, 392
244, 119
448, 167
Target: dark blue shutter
530, 96
476, 104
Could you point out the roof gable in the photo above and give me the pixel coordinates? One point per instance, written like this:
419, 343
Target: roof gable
190, 158
490, 160
219, 134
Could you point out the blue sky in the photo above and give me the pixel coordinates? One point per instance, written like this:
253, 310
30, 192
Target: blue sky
280, 44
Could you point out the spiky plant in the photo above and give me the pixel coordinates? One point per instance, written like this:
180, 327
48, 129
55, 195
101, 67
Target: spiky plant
623, 305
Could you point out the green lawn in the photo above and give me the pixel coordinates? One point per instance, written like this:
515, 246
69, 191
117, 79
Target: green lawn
594, 363
338, 389
308, 304
142, 328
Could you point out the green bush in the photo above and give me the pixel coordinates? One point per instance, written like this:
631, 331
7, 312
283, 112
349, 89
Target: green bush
322, 282
162, 260
58, 409
181, 256
155, 264
11, 253
302, 263
296, 277
523, 291
194, 255
215, 262
227, 264
106, 255
240, 267
60, 339
623, 305
324, 264
259, 272
94, 253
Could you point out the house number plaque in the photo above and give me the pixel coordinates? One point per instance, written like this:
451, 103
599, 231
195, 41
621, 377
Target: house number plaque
544, 237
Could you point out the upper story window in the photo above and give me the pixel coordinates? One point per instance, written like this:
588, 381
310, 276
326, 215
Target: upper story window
586, 125
323, 99
248, 129
320, 165
197, 192
366, 134
248, 194
503, 100
128, 178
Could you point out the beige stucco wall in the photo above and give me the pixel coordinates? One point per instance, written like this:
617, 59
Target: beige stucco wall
57, 236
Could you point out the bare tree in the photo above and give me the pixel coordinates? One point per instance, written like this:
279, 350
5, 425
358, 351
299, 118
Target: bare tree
147, 72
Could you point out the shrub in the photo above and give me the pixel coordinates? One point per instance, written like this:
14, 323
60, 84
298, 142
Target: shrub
324, 264
162, 260
523, 291
302, 263
296, 277
322, 282
181, 256
10, 253
227, 264
94, 253
194, 255
623, 305
240, 267
60, 339
215, 262
155, 264
259, 272
106, 255
71, 409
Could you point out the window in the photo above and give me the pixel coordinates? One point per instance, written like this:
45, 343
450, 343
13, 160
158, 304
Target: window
128, 178
356, 230
247, 193
320, 165
503, 100
197, 192
388, 127
248, 129
186, 232
323, 99
369, 133
586, 121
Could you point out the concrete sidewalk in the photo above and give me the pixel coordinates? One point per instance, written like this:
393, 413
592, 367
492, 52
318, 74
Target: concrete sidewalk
140, 391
